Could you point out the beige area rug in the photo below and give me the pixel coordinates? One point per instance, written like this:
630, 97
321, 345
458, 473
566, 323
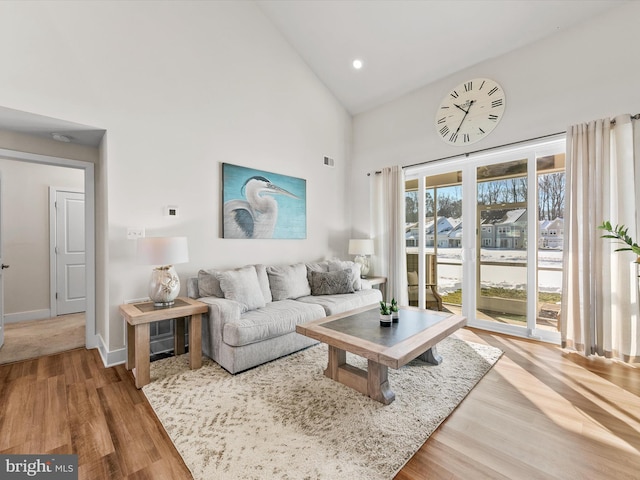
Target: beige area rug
25, 340
286, 420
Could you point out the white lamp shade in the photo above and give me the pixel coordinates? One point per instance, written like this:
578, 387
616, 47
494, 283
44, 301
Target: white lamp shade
361, 246
163, 250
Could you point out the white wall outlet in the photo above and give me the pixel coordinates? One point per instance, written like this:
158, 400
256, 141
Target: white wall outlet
133, 233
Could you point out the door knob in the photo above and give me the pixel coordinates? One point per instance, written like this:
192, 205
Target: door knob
4, 266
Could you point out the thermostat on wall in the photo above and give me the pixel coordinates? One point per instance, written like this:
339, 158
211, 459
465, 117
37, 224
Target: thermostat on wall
171, 211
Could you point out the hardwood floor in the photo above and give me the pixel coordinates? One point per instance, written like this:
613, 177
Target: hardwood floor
540, 413
70, 403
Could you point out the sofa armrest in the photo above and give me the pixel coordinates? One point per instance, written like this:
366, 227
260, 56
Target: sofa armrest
222, 310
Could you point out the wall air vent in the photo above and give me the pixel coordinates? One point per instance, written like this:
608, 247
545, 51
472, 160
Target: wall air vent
329, 162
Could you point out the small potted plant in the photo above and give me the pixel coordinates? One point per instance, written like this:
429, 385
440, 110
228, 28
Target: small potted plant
394, 310
386, 318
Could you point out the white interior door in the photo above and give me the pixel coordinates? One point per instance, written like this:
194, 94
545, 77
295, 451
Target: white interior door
1, 274
70, 253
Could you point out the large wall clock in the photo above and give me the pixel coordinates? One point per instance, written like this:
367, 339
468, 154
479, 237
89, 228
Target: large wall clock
470, 112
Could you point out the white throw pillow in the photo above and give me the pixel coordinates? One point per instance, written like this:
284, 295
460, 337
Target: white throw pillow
288, 281
263, 280
242, 285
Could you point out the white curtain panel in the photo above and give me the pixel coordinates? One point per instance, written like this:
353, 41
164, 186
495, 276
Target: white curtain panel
387, 224
600, 312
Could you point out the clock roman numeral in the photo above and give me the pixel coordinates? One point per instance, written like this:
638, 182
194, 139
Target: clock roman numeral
468, 86
454, 94
465, 137
481, 130
497, 103
453, 137
493, 117
442, 120
481, 85
492, 91
444, 130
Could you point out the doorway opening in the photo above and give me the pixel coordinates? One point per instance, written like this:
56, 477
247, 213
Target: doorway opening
85, 170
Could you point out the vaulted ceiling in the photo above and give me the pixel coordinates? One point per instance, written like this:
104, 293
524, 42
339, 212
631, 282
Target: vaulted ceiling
403, 45
406, 44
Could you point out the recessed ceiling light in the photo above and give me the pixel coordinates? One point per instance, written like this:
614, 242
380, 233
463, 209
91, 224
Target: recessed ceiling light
357, 64
60, 138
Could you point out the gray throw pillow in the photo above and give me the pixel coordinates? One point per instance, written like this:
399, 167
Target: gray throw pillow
335, 265
288, 281
208, 284
242, 286
331, 283
316, 267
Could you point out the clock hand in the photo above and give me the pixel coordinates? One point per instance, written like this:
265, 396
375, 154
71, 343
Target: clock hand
465, 114
458, 106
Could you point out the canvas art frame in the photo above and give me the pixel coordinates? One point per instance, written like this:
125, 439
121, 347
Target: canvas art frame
257, 204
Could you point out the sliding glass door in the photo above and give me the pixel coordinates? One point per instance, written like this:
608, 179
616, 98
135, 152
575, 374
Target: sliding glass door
484, 237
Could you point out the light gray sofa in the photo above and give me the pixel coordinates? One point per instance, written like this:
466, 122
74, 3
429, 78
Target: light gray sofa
254, 310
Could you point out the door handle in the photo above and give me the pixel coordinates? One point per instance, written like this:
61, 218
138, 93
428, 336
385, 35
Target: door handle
4, 266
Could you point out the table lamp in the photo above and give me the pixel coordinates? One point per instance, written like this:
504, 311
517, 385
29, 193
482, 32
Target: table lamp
164, 285
361, 248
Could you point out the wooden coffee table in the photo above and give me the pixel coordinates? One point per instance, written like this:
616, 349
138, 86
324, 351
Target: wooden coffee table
358, 331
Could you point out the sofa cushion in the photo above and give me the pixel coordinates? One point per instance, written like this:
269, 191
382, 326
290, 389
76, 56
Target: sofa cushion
242, 286
208, 284
336, 265
288, 281
331, 283
273, 320
412, 278
340, 303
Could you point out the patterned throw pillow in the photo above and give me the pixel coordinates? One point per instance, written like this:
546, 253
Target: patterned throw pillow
348, 265
331, 283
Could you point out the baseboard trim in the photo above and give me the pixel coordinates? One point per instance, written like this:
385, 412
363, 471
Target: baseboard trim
29, 316
111, 358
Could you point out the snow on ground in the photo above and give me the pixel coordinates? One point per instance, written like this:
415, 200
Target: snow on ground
450, 276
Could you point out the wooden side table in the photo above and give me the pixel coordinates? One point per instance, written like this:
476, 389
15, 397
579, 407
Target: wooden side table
381, 282
140, 315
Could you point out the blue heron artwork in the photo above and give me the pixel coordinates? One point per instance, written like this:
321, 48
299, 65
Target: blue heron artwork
259, 204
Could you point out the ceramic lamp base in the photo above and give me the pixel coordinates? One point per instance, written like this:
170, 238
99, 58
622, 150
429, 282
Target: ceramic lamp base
164, 286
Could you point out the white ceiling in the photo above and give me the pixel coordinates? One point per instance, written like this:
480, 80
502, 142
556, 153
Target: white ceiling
406, 44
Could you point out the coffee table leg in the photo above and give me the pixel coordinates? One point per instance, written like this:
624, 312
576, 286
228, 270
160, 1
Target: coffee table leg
431, 356
378, 383
337, 358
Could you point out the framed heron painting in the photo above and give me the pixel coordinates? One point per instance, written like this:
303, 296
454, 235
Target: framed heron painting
259, 204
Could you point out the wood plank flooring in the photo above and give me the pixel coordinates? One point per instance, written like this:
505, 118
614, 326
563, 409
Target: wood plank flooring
540, 413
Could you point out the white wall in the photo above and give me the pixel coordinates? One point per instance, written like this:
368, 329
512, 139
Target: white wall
180, 87
581, 74
25, 229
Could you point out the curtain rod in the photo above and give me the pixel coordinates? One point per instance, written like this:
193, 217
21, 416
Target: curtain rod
475, 151
613, 122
